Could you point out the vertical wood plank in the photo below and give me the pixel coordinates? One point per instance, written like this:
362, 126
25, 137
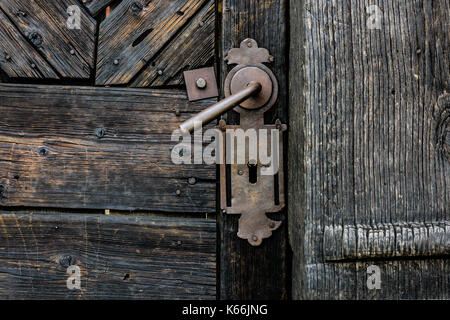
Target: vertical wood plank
248, 272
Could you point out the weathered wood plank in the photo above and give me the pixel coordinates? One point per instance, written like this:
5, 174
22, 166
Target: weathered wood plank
248, 272
18, 59
76, 147
192, 48
134, 33
44, 23
370, 177
120, 257
96, 6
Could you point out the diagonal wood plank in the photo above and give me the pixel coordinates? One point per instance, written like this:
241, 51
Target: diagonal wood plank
192, 48
96, 6
94, 148
17, 57
44, 23
134, 33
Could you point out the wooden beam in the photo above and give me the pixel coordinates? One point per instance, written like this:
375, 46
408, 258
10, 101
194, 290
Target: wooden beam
248, 272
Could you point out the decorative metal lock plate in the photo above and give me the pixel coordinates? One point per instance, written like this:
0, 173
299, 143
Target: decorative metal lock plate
251, 155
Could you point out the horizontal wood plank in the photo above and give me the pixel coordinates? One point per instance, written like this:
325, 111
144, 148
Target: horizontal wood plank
120, 257
98, 148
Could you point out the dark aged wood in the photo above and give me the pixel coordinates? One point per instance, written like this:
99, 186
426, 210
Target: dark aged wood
120, 257
17, 55
192, 48
98, 148
96, 6
368, 171
248, 272
132, 36
44, 25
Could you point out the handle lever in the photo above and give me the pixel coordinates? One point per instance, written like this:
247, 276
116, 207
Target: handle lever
219, 108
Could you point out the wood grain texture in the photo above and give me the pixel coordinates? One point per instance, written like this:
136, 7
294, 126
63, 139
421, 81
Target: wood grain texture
192, 48
18, 59
97, 148
364, 106
135, 32
248, 272
96, 6
120, 257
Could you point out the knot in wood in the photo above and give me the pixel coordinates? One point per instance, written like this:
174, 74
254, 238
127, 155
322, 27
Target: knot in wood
442, 124
136, 7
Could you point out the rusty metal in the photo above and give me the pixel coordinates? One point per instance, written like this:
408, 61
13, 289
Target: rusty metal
251, 89
196, 92
214, 111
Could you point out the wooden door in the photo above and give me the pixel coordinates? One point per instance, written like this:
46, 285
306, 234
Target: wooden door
91, 92
369, 189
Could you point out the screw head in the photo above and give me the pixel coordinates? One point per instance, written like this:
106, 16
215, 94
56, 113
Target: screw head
116, 62
72, 52
192, 181
160, 72
201, 83
178, 192
254, 238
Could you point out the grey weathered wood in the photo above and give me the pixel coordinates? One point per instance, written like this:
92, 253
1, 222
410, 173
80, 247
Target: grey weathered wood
97, 148
248, 272
133, 34
120, 257
96, 6
18, 59
364, 106
192, 48
44, 23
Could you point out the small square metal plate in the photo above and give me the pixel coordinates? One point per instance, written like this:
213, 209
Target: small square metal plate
196, 79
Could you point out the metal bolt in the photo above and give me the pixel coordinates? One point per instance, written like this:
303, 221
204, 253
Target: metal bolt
201, 83
160, 72
178, 192
254, 238
72, 52
192, 181
116, 62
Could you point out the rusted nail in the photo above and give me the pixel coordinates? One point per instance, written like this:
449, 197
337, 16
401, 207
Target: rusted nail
201, 83
192, 180
222, 125
100, 132
116, 62
178, 192
43, 152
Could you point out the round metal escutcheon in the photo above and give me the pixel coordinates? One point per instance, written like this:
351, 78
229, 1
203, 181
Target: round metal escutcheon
246, 75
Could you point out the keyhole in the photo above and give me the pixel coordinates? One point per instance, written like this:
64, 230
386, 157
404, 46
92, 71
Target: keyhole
252, 171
